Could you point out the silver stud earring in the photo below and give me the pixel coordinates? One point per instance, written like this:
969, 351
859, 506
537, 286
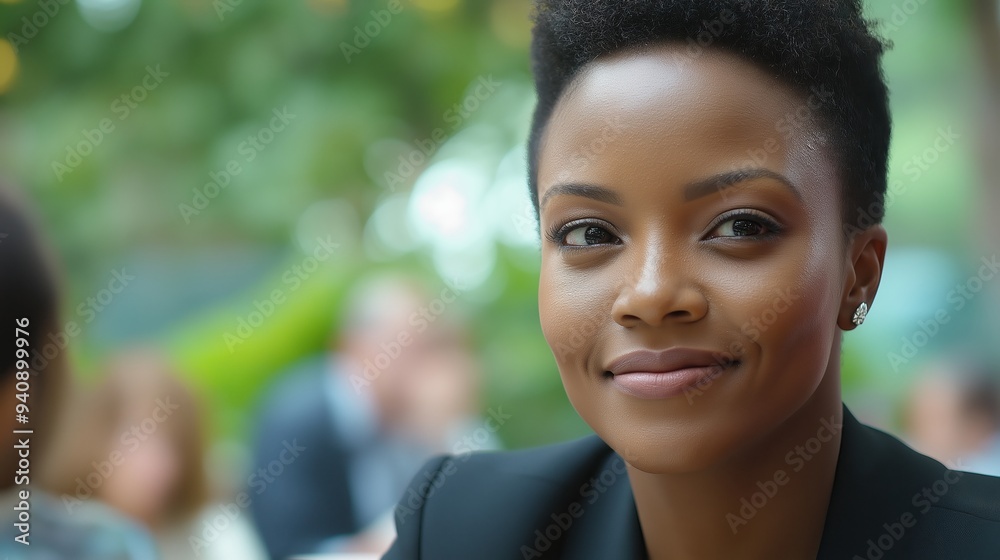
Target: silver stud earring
859, 314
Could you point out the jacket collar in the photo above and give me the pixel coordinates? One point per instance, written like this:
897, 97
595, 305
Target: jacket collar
868, 465
873, 486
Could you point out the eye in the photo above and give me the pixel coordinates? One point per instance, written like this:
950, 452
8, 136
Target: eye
588, 235
743, 223
576, 234
740, 227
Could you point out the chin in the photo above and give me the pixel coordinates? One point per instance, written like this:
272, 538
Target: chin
674, 449
678, 435
661, 437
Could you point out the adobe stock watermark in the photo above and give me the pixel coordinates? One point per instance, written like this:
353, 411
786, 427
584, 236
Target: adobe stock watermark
87, 311
122, 106
419, 321
461, 451
796, 460
958, 297
695, 47
803, 116
709, 33
922, 502
583, 334
248, 150
291, 280
225, 7
213, 527
33, 24
455, 117
580, 335
364, 35
752, 329
914, 168
526, 221
901, 14
131, 439
917, 165
581, 159
590, 492
780, 304
480, 436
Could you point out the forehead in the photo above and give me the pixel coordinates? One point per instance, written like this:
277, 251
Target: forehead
659, 111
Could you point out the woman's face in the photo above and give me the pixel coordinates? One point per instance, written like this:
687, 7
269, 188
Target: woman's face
687, 205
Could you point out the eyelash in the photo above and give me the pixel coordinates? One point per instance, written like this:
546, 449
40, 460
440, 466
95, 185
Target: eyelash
753, 215
557, 234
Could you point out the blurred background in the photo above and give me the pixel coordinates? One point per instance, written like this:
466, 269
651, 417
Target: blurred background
220, 176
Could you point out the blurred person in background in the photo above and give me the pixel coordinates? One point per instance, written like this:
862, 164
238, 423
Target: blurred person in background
398, 385
953, 414
137, 444
33, 523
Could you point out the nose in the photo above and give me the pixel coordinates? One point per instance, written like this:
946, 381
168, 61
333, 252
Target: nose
657, 290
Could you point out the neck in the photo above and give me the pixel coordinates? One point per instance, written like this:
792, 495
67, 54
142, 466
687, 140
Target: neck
767, 502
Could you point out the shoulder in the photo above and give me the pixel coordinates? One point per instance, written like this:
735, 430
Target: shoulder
892, 501
294, 395
66, 527
499, 476
301, 378
965, 506
495, 499
550, 463
937, 486
970, 494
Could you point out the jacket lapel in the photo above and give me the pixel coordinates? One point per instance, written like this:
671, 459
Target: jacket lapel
872, 488
610, 527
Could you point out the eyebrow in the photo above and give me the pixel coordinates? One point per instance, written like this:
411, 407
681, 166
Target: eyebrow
697, 189
729, 179
587, 191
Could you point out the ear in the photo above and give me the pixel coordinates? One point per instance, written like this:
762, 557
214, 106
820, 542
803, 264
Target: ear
866, 257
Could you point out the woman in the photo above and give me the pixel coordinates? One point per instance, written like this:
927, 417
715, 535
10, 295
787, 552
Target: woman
34, 372
138, 446
709, 178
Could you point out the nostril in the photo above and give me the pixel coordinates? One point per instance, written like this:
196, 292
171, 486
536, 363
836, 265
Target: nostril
628, 320
677, 300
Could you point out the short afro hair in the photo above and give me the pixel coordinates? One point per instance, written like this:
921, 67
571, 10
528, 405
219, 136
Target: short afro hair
808, 44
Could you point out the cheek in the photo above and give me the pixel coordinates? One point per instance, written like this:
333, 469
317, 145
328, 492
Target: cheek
569, 312
556, 312
794, 324
573, 308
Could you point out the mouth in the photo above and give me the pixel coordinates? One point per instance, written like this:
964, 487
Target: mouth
663, 374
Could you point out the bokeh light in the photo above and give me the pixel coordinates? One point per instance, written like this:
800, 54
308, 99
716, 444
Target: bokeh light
8, 65
109, 15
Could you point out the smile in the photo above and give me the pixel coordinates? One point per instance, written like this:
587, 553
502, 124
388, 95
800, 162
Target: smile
664, 374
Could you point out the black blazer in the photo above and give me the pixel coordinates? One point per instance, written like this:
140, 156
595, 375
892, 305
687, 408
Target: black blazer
573, 500
310, 500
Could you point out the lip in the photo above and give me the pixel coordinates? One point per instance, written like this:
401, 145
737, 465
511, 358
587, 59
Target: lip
648, 374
